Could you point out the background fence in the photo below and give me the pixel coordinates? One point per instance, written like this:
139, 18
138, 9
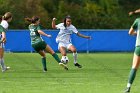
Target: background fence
102, 41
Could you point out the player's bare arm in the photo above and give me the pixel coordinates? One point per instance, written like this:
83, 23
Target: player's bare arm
53, 23
83, 36
44, 34
132, 32
134, 12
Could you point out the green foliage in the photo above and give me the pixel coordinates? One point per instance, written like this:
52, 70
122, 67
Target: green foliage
86, 14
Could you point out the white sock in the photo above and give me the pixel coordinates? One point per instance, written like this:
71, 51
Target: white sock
2, 63
75, 57
128, 85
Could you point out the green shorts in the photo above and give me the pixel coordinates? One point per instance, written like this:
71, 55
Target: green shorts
137, 50
39, 46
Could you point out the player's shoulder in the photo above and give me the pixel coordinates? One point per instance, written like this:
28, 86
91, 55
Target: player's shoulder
137, 19
32, 25
72, 26
61, 24
4, 23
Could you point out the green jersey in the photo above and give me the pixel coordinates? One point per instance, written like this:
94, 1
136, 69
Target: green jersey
2, 29
35, 36
136, 25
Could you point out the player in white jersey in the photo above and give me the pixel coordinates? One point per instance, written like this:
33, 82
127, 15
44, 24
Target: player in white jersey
63, 38
3, 27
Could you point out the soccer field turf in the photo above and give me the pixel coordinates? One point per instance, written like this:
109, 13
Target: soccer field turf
101, 73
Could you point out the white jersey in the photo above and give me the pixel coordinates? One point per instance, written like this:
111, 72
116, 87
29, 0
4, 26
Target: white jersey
4, 24
65, 32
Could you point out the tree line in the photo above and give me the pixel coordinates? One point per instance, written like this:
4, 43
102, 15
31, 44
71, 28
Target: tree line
85, 14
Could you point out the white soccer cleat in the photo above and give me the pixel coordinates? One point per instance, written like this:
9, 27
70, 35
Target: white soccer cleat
63, 65
6, 68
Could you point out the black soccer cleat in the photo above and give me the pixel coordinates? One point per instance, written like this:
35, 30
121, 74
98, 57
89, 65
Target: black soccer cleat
66, 68
63, 65
127, 90
45, 70
78, 65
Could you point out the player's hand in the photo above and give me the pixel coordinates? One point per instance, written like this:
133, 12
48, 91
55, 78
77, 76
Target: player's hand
49, 35
131, 13
54, 19
89, 37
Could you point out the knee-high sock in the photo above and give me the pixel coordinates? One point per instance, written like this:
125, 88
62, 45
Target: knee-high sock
131, 77
55, 56
44, 62
2, 63
75, 57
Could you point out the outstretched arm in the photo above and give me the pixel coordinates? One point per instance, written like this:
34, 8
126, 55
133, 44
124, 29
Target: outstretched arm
44, 34
53, 23
83, 36
134, 12
132, 32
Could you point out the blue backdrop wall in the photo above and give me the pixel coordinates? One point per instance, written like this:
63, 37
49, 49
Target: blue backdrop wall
102, 40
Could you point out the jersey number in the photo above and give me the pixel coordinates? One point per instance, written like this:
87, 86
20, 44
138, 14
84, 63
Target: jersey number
32, 33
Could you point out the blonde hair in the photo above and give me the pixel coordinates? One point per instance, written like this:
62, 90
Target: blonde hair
7, 15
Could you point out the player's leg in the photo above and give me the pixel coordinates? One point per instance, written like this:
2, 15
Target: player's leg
63, 52
73, 50
50, 50
135, 65
4, 68
42, 53
39, 47
55, 56
64, 58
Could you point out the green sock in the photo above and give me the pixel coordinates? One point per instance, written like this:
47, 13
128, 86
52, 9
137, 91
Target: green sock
132, 75
44, 62
56, 57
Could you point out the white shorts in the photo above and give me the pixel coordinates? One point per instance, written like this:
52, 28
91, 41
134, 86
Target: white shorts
66, 45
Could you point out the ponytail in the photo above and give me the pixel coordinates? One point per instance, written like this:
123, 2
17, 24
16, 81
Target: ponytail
33, 19
7, 16
65, 25
1, 18
28, 19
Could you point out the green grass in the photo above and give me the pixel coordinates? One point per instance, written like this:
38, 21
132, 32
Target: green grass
101, 73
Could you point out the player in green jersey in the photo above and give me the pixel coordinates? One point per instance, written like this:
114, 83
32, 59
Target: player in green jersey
134, 30
39, 44
5, 19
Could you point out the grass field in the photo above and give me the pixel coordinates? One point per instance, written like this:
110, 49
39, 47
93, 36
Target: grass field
101, 73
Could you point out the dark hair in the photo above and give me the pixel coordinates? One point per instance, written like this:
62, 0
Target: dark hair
0, 18
34, 19
7, 15
67, 17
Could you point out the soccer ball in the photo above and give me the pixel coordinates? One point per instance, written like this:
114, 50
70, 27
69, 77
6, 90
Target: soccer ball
65, 59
